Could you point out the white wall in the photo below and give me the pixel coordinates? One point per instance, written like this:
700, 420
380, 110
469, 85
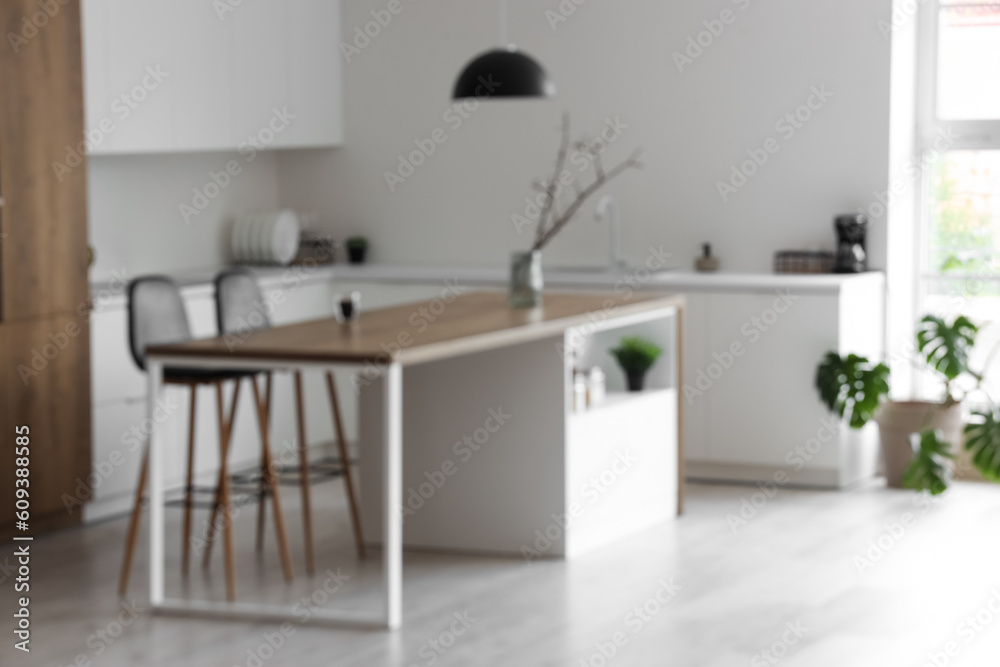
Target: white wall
903, 214
136, 223
611, 59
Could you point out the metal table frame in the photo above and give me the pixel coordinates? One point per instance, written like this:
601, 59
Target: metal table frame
391, 615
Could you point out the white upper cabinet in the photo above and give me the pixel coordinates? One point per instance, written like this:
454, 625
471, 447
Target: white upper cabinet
202, 75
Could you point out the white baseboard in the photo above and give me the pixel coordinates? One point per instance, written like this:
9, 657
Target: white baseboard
715, 471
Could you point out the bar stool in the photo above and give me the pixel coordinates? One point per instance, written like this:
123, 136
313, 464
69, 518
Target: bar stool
242, 310
157, 316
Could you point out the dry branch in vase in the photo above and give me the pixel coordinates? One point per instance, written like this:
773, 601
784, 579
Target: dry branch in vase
552, 219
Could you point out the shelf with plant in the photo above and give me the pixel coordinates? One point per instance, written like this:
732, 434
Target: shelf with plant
636, 356
920, 439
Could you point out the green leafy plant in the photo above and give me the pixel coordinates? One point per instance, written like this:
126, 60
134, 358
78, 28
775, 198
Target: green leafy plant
982, 440
359, 242
852, 386
931, 467
636, 355
946, 346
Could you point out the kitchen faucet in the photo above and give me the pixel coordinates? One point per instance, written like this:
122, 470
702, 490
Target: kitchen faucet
607, 210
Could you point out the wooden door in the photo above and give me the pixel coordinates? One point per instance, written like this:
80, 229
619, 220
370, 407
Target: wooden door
43, 179
44, 329
45, 386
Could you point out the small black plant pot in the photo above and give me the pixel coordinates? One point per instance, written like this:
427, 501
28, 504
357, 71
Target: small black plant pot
636, 381
356, 255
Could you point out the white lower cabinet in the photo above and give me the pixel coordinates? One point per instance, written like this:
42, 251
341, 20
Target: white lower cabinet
751, 410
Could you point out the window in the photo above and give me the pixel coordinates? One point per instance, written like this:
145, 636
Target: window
960, 195
968, 60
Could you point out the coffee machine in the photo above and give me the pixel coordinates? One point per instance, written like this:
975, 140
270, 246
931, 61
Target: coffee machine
852, 255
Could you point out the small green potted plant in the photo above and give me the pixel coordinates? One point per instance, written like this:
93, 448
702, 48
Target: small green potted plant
357, 248
636, 356
920, 439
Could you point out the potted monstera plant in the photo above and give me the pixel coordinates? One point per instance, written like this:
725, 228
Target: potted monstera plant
921, 439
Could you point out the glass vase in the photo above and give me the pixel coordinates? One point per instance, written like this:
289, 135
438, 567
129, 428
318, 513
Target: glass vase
525, 279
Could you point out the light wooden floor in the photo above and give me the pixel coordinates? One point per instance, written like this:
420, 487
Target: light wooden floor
792, 563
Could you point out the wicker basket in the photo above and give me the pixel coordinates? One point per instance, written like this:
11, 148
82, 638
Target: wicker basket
803, 261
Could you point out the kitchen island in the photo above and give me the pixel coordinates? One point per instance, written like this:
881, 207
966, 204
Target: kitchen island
531, 493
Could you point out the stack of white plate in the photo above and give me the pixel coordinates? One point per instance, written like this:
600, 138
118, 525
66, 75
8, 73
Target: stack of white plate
268, 237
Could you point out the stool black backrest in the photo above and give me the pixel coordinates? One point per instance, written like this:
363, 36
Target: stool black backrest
239, 304
156, 315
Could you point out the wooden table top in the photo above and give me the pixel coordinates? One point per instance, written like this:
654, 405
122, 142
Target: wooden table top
418, 332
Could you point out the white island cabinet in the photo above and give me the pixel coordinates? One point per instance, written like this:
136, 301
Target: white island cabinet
194, 75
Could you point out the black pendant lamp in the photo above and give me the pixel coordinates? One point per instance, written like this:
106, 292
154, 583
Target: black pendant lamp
505, 72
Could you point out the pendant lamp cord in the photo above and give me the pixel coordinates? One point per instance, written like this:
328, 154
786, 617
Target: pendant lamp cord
503, 24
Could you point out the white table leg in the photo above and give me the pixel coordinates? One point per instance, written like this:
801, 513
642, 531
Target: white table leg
392, 489
155, 375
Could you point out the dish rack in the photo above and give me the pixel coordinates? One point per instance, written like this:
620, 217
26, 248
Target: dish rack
266, 237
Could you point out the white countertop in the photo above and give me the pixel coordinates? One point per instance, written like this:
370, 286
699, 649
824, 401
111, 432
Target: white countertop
673, 281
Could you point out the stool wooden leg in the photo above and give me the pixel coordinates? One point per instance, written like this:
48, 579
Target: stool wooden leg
188, 489
270, 481
345, 463
133, 525
217, 500
261, 510
225, 433
304, 472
